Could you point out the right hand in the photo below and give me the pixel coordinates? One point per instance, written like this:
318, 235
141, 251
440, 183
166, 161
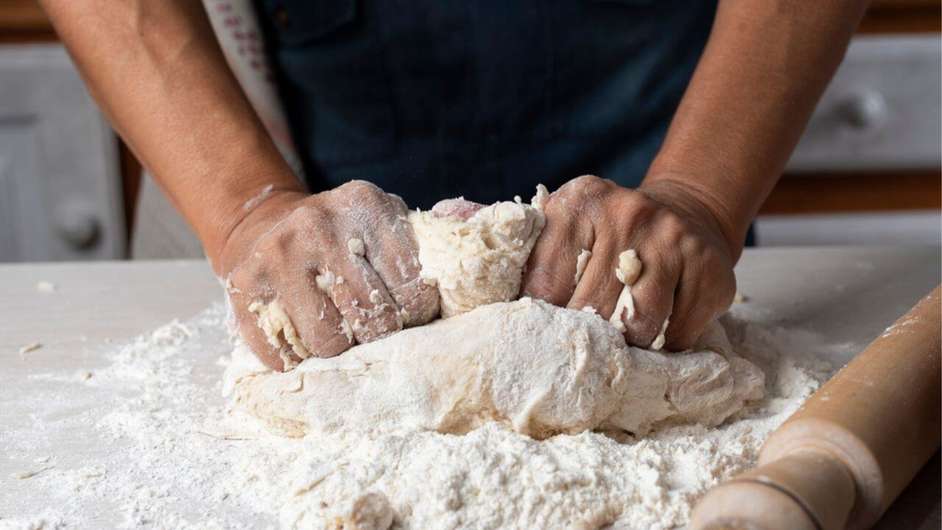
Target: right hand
281, 247
686, 279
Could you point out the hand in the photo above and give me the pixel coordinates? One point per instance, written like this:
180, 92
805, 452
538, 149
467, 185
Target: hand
342, 265
687, 263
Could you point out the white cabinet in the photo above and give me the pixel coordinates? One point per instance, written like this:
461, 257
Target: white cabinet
60, 187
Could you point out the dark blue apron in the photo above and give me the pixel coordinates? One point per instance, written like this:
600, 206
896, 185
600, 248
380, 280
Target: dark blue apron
435, 98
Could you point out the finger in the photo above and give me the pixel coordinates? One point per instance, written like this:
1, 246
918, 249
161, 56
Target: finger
390, 249
314, 318
459, 208
240, 298
551, 271
599, 287
696, 306
653, 294
377, 222
366, 307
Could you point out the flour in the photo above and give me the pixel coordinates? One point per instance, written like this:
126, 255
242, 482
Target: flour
258, 198
493, 477
31, 347
179, 459
46, 287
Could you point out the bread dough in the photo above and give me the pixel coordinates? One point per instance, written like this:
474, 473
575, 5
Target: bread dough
277, 327
627, 271
538, 368
479, 260
581, 261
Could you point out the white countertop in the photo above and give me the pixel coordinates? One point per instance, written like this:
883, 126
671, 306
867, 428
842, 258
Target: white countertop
848, 294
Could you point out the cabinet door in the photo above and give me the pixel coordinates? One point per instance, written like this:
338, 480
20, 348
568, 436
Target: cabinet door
60, 188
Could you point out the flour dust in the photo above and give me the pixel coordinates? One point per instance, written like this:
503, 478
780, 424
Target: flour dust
182, 459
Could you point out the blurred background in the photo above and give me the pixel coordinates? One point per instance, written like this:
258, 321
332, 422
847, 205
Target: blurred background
867, 170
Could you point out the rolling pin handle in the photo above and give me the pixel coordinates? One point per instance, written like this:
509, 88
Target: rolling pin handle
782, 494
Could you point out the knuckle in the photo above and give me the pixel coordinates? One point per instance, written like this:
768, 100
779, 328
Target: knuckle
581, 195
332, 346
674, 224
684, 341
283, 242
590, 182
583, 187
694, 247
633, 209
395, 203
308, 216
359, 190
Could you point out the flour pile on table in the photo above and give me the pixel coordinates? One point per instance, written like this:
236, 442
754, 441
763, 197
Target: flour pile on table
180, 459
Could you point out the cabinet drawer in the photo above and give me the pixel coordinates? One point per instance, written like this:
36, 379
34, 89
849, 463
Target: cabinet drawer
881, 111
60, 189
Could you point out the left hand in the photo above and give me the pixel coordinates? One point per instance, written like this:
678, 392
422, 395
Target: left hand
687, 262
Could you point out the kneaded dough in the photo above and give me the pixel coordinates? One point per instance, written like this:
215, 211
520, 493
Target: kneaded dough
538, 368
479, 260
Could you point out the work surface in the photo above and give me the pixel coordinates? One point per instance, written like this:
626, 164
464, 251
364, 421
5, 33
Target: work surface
846, 294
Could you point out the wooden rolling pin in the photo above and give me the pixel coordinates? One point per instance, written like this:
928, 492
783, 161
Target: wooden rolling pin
845, 455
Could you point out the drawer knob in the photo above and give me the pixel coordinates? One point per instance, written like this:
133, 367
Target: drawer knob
78, 227
864, 110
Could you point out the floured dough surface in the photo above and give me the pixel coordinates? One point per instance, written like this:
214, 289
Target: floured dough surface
539, 369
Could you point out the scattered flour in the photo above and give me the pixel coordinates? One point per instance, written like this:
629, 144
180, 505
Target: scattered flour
46, 287
31, 347
179, 459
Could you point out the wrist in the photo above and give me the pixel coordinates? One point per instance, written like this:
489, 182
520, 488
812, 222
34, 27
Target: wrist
678, 192
245, 220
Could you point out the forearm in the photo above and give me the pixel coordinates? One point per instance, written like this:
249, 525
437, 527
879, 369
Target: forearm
155, 68
764, 68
